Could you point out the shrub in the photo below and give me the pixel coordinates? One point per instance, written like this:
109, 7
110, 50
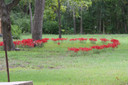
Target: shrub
68, 31
16, 31
50, 27
23, 22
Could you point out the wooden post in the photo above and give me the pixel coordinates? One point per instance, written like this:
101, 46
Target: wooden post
0, 27
7, 64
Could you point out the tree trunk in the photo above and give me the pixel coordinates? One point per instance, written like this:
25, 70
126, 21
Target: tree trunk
117, 27
103, 28
6, 22
0, 9
25, 9
74, 21
59, 18
100, 22
30, 11
38, 19
81, 22
100, 25
125, 26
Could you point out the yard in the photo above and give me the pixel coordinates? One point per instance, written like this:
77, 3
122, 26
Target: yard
53, 64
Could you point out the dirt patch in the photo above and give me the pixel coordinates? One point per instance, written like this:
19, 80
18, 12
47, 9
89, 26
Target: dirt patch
13, 64
2, 64
56, 67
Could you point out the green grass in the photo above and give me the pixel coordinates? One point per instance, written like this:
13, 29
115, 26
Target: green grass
54, 65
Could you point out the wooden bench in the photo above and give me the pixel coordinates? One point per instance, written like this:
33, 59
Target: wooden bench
17, 83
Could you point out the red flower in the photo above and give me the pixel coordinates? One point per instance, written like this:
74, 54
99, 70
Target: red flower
85, 49
73, 49
104, 39
114, 40
92, 39
58, 39
58, 43
82, 39
1, 43
73, 39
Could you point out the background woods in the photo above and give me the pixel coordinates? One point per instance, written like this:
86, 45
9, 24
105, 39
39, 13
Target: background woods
94, 16
86, 16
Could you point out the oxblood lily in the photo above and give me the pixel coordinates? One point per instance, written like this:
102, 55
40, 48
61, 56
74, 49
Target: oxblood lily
93, 40
85, 49
73, 39
58, 43
54, 39
98, 47
73, 49
104, 39
30, 42
58, 39
80, 39
17, 43
114, 40
1, 43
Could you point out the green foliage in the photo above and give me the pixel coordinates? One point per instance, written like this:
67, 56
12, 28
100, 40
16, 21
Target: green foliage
49, 14
23, 22
25, 25
16, 31
67, 31
50, 27
97, 14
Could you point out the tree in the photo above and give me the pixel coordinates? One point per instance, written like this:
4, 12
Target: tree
38, 19
83, 4
57, 7
74, 20
77, 7
31, 20
59, 18
73, 8
81, 20
6, 22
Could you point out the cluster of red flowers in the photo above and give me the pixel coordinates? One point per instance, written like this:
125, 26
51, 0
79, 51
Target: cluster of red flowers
1, 43
114, 40
31, 43
59, 39
85, 49
104, 39
28, 42
73, 49
114, 44
80, 39
92, 39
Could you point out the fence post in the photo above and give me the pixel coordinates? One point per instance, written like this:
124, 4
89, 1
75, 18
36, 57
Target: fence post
7, 64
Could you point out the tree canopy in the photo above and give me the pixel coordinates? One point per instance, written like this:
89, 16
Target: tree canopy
98, 16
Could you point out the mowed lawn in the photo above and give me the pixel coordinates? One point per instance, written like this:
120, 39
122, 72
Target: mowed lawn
54, 65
